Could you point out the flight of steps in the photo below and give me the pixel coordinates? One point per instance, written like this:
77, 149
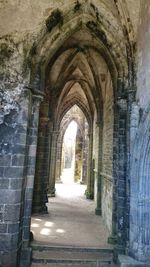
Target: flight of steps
47, 256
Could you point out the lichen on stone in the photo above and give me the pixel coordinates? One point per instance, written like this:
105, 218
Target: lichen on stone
9, 100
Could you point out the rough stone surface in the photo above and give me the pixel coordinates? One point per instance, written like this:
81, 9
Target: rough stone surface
140, 137
68, 53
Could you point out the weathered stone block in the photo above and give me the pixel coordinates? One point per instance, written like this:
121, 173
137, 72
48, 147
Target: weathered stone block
29, 193
18, 160
30, 181
4, 183
3, 228
8, 241
31, 170
27, 208
8, 259
20, 139
12, 227
16, 183
5, 160
10, 196
31, 161
18, 149
13, 172
12, 212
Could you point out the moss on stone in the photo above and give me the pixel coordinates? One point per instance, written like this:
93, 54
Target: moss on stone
77, 6
54, 19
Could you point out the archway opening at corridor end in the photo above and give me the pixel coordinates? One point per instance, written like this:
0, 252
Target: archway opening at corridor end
68, 153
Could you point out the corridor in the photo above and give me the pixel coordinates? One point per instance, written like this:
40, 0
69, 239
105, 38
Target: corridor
71, 219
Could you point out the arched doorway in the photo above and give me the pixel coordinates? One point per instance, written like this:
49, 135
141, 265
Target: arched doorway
82, 78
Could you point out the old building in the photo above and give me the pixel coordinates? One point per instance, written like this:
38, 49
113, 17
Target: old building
86, 61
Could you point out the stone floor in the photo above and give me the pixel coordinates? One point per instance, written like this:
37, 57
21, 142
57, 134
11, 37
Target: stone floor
71, 220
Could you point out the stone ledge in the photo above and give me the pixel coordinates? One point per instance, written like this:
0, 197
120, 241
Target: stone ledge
126, 261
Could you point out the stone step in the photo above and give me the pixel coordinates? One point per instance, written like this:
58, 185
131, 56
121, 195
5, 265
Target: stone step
71, 264
70, 255
59, 256
40, 247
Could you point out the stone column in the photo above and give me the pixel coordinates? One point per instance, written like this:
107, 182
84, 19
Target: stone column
120, 165
58, 161
85, 158
52, 164
90, 182
61, 166
41, 173
78, 156
98, 210
29, 183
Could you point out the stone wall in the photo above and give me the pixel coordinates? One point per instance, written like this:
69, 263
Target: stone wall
140, 147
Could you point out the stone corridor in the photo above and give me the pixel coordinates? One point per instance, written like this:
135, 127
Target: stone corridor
71, 220
87, 63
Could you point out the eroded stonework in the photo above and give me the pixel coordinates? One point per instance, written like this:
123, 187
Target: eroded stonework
55, 55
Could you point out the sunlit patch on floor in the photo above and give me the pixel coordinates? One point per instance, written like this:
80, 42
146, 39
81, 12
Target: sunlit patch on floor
49, 224
61, 231
34, 225
45, 231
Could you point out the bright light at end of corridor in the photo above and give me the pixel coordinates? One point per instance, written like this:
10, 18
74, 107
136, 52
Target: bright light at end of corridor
71, 132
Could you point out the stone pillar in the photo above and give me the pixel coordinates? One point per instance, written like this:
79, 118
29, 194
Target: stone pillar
119, 194
62, 160
85, 158
58, 161
13, 171
29, 184
41, 173
52, 164
98, 210
78, 157
112, 239
90, 182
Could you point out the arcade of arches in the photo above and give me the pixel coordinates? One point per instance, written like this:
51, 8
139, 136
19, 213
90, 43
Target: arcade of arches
82, 62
